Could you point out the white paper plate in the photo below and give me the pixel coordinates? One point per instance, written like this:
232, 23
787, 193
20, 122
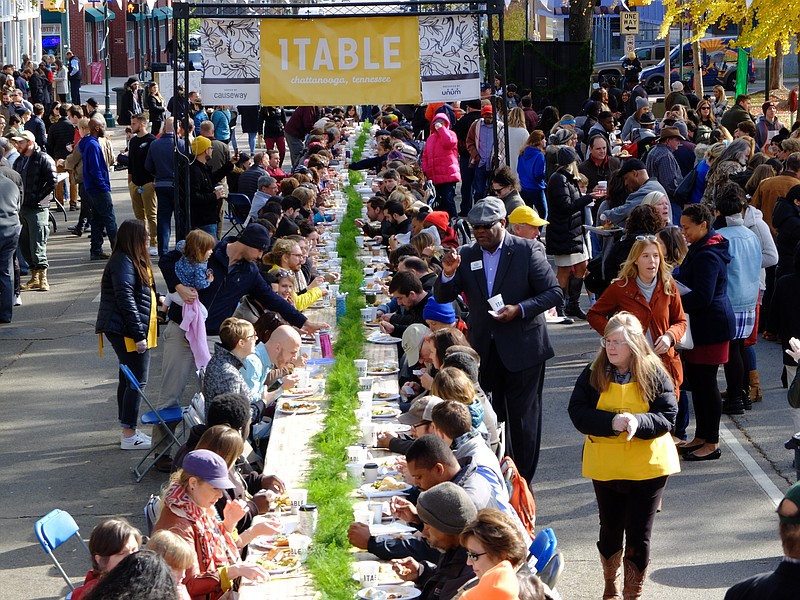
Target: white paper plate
299, 411
382, 373
390, 413
382, 338
370, 492
404, 592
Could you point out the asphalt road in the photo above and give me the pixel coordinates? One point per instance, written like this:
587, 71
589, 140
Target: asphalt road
60, 449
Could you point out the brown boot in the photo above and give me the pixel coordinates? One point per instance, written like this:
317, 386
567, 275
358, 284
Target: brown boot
34, 282
755, 387
43, 285
612, 569
634, 581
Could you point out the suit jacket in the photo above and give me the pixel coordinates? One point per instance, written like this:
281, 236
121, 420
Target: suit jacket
523, 277
779, 585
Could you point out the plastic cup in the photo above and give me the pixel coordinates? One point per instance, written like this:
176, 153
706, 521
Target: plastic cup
368, 571
377, 512
298, 546
305, 350
365, 384
363, 516
354, 471
361, 365
297, 497
356, 454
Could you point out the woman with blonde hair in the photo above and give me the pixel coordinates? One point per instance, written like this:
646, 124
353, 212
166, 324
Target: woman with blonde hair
624, 402
188, 511
731, 161
531, 170
660, 202
719, 102
645, 288
517, 135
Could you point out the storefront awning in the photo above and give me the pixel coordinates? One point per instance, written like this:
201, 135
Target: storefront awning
162, 13
95, 15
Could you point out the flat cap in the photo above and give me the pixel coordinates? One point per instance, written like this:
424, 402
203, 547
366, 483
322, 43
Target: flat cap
488, 210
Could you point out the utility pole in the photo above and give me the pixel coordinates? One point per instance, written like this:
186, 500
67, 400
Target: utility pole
108, 116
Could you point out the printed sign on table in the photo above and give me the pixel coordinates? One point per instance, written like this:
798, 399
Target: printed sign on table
230, 61
448, 54
340, 61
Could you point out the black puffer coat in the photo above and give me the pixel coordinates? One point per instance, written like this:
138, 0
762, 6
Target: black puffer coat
124, 300
565, 206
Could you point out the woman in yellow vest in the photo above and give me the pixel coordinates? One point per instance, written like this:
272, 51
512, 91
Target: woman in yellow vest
625, 404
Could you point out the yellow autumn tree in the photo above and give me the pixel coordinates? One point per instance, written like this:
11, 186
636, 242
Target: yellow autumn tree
762, 24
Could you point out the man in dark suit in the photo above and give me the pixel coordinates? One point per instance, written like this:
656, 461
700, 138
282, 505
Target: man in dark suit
784, 582
512, 342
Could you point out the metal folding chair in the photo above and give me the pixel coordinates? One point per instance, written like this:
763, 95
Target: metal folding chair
237, 212
151, 511
52, 530
542, 549
164, 417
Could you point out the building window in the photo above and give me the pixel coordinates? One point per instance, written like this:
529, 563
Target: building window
130, 38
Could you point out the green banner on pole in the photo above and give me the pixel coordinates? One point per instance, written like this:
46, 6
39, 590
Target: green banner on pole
742, 75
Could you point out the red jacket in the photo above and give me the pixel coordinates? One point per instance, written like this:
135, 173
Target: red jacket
91, 580
440, 157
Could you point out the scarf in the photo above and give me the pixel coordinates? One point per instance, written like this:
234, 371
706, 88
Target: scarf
217, 546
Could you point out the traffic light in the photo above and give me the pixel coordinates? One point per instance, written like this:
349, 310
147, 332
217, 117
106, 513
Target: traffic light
133, 8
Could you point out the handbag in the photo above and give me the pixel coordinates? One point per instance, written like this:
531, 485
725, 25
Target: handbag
686, 342
683, 193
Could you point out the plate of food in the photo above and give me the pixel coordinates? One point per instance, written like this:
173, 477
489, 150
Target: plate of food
374, 323
390, 592
384, 396
385, 412
386, 487
371, 289
297, 407
389, 368
265, 543
297, 392
278, 561
383, 338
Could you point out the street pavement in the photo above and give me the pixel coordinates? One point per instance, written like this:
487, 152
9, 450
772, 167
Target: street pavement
60, 449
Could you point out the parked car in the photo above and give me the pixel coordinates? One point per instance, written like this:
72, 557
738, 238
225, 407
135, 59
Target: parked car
718, 56
612, 70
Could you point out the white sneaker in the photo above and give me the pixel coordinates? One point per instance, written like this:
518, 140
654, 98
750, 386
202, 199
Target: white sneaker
153, 251
144, 435
137, 441
17, 301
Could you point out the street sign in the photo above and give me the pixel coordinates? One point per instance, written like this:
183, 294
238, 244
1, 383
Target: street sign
630, 44
629, 23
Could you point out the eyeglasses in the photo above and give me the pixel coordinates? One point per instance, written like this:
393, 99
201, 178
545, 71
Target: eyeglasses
284, 274
473, 556
252, 337
498, 189
295, 254
606, 343
646, 238
420, 424
705, 108
478, 226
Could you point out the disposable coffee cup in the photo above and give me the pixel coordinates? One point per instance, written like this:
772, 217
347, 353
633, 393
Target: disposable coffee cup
334, 288
357, 454
602, 185
368, 432
368, 572
377, 512
363, 516
359, 241
366, 315
365, 400
370, 472
365, 383
354, 471
496, 302
305, 350
369, 271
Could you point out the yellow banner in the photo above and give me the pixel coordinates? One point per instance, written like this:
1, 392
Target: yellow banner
332, 61
54, 5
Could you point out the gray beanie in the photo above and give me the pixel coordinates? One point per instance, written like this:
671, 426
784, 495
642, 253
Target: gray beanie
462, 361
561, 136
446, 507
567, 156
641, 102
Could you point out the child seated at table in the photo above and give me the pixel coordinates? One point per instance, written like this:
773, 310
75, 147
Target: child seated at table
177, 553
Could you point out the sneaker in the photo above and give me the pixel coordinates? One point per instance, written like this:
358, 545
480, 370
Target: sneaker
144, 435
17, 301
153, 251
137, 441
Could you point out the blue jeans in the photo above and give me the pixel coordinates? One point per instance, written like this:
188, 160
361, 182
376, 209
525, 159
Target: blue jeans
480, 184
166, 207
33, 239
251, 140
467, 179
102, 218
535, 199
233, 143
8, 244
127, 397
210, 229
446, 197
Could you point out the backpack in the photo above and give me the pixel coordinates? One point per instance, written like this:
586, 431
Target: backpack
520, 495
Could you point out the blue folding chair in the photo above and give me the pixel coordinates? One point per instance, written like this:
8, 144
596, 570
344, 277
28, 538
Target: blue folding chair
237, 212
542, 549
52, 530
551, 572
164, 417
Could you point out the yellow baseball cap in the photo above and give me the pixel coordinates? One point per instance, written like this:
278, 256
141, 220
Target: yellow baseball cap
526, 215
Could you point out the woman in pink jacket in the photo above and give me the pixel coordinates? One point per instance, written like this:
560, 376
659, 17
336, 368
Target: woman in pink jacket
440, 162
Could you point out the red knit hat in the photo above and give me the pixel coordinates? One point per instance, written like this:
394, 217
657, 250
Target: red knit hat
439, 218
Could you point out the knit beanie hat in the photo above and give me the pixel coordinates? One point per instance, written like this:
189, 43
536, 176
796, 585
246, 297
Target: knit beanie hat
446, 507
444, 313
463, 361
561, 137
200, 145
567, 156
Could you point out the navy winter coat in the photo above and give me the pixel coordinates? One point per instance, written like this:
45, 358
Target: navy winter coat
124, 300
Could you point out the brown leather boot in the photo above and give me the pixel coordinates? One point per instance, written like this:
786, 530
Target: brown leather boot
43, 285
34, 282
612, 569
755, 387
634, 581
